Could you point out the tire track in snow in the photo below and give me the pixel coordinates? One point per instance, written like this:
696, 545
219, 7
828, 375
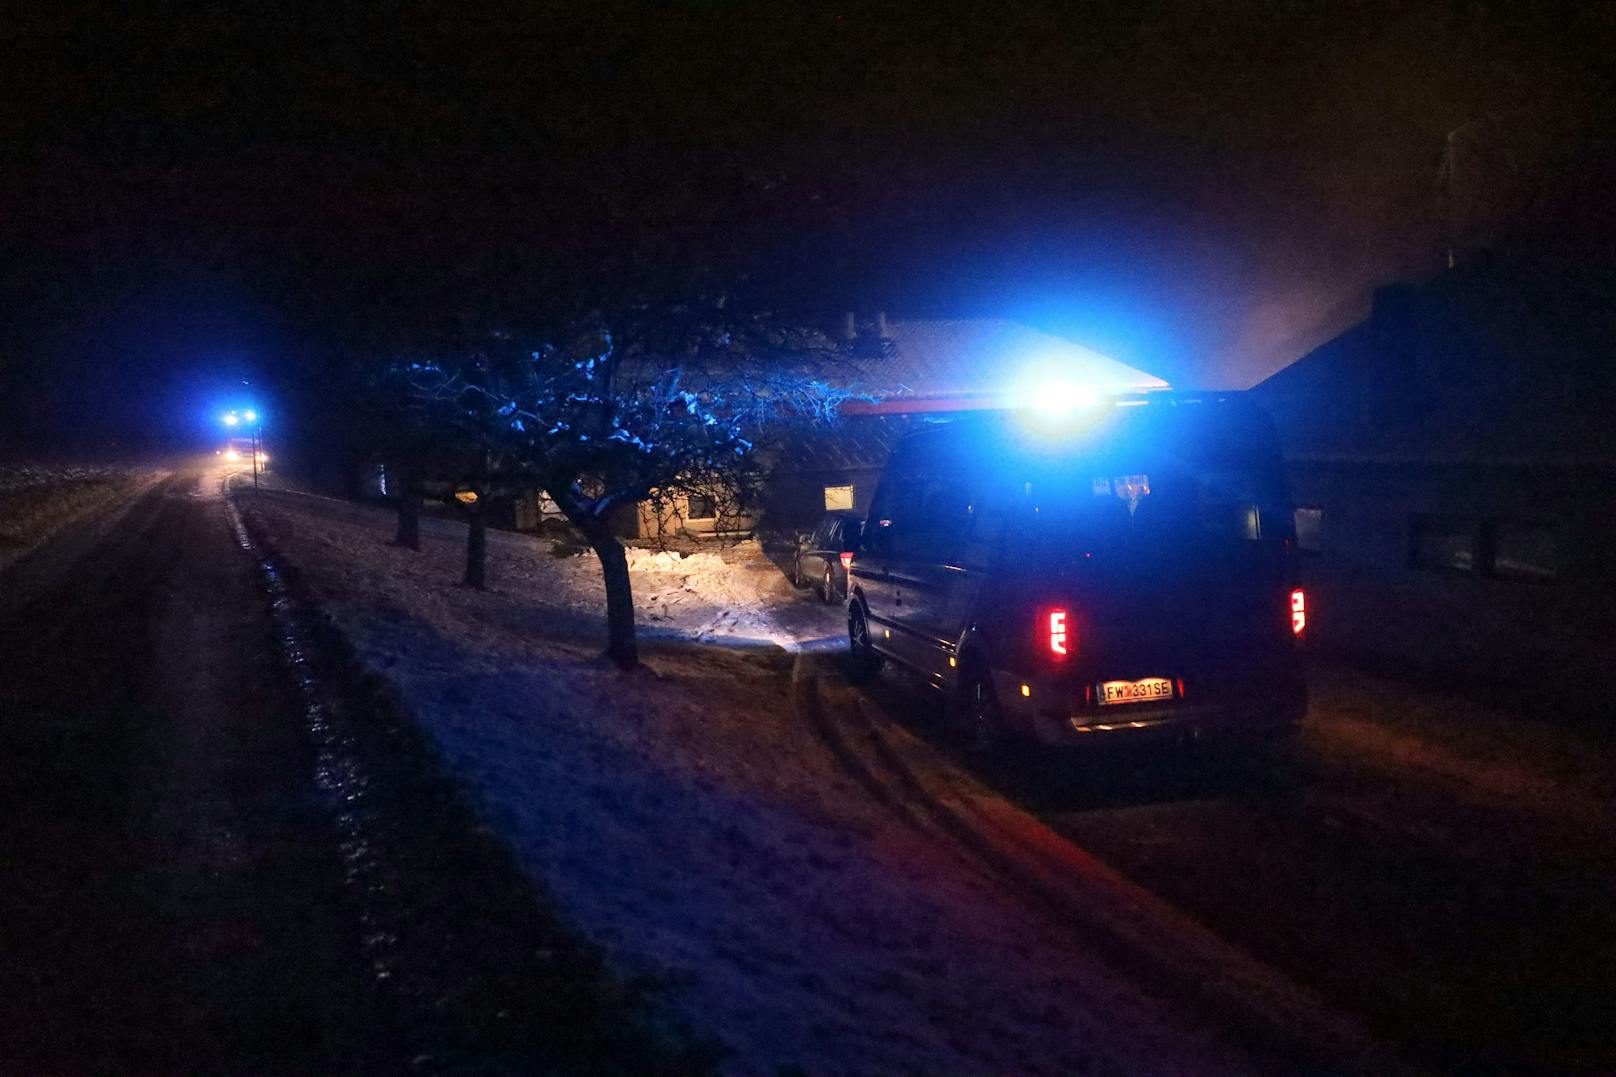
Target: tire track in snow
1130, 928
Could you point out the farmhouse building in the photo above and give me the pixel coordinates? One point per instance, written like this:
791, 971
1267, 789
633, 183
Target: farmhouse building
917, 371
1453, 459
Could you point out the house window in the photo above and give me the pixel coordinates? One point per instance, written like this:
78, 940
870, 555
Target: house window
838, 497
700, 507
1522, 550
1310, 529
1444, 543
1498, 549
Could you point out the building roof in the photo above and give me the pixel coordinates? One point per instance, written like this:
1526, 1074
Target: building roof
965, 364
854, 443
1505, 360
921, 369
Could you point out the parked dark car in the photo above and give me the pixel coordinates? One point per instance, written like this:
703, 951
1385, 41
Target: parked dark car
823, 555
1127, 569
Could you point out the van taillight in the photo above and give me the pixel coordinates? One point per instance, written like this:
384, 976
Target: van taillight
1298, 612
847, 562
1061, 639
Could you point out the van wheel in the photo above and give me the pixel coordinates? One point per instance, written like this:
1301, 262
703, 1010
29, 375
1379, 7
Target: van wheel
979, 713
827, 588
864, 660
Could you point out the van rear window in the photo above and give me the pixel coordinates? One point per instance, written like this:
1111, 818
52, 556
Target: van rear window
1155, 483
1156, 511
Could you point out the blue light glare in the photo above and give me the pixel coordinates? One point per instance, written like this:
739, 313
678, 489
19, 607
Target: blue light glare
1063, 397
250, 416
1054, 397
1059, 409
229, 418
1060, 385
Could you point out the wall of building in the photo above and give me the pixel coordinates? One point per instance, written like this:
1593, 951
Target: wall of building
796, 499
1539, 640
674, 515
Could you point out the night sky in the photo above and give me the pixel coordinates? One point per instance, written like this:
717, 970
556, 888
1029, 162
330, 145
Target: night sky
200, 195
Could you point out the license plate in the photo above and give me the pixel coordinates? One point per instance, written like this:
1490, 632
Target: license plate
1140, 691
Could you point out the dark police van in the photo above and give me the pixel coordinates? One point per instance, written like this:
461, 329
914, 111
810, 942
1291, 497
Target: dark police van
1122, 567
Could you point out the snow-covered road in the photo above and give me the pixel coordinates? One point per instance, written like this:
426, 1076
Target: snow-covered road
695, 819
222, 854
167, 904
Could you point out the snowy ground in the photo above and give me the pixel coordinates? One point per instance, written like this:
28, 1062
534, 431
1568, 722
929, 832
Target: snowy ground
688, 820
41, 505
38, 501
733, 597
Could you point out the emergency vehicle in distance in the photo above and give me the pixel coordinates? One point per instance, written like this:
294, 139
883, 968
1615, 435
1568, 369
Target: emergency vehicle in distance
241, 450
1120, 567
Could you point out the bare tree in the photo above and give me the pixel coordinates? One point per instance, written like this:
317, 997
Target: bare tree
648, 404
452, 438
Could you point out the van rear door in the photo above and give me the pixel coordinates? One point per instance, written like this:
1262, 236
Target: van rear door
1170, 536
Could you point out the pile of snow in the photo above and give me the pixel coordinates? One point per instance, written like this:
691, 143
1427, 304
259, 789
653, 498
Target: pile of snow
17, 479
686, 817
704, 596
645, 560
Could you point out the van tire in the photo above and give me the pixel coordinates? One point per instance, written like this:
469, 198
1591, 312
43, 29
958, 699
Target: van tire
827, 588
864, 661
981, 723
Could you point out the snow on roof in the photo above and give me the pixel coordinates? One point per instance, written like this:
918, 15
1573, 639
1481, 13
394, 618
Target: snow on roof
983, 359
945, 365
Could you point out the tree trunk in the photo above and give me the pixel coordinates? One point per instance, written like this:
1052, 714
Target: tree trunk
621, 645
409, 519
476, 548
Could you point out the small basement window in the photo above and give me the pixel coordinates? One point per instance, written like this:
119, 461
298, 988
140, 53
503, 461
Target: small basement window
1523, 550
1443, 543
700, 507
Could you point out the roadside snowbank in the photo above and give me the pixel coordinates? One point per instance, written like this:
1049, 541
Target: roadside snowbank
37, 501
685, 819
